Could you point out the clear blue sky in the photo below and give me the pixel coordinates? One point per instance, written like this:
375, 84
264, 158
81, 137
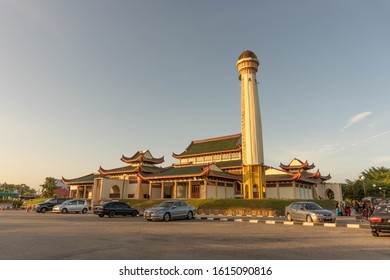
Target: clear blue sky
83, 82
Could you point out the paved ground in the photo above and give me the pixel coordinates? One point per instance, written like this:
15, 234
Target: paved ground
48, 236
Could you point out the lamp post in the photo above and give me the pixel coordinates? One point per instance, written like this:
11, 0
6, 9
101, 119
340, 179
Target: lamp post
384, 192
364, 187
374, 186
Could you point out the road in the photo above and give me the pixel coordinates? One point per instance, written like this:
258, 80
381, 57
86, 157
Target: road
33, 236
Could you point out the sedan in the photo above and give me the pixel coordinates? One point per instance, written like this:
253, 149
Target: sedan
114, 208
380, 219
72, 205
308, 211
170, 210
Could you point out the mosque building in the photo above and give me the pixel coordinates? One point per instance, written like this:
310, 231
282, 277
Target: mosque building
229, 166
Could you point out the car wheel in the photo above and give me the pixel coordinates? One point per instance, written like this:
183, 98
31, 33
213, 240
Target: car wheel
64, 211
101, 215
190, 215
111, 214
309, 219
375, 233
167, 217
85, 210
135, 213
289, 217
43, 210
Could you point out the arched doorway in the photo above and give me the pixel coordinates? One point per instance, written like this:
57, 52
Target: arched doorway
115, 192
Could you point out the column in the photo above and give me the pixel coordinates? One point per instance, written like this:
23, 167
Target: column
174, 189
189, 189
294, 191
162, 190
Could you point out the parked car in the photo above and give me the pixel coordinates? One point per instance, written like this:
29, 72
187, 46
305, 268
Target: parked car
48, 204
114, 208
72, 206
308, 211
170, 210
380, 219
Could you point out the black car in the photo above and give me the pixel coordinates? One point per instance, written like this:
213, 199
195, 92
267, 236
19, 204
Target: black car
48, 204
114, 208
380, 219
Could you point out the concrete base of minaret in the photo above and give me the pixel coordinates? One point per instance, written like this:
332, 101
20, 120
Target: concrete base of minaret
253, 181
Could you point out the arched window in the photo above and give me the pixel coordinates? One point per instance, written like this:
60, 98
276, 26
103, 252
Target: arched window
115, 192
329, 194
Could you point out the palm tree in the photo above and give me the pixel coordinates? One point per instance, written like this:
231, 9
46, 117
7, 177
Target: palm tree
49, 187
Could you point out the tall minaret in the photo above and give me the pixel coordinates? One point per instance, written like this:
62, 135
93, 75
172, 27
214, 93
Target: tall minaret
253, 171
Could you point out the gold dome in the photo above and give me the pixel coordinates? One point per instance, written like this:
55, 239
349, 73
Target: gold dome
247, 54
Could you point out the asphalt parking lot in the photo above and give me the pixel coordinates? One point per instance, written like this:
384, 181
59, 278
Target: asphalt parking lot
49, 236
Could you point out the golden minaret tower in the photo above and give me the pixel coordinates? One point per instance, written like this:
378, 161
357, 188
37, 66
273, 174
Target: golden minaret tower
253, 171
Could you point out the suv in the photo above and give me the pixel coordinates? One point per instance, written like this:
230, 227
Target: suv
72, 205
49, 204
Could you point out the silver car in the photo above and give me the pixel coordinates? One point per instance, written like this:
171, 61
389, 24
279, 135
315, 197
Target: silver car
308, 211
72, 205
170, 210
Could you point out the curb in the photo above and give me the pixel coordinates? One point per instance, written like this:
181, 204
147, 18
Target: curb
289, 223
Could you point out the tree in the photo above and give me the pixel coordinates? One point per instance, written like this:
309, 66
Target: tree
49, 187
376, 182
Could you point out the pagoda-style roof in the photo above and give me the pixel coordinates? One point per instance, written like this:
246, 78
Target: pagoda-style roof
230, 143
278, 175
297, 164
191, 170
84, 180
142, 157
129, 169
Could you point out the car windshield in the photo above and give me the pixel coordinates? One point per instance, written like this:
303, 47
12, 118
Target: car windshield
312, 206
166, 204
48, 200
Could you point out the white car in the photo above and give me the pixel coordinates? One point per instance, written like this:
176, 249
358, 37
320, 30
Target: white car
72, 206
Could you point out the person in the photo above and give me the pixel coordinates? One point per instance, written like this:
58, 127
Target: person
348, 210
341, 209
337, 209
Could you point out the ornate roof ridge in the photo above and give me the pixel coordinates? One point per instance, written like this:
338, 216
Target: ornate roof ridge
139, 156
67, 181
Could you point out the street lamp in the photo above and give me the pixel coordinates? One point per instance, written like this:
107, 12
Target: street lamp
384, 192
374, 186
364, 187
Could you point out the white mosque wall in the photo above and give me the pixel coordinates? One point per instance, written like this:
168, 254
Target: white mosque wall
210, 191
230, 192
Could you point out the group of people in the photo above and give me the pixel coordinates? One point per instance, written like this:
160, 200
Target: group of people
365, 210
341, 210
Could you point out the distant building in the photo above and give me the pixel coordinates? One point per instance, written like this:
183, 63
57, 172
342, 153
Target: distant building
62, 189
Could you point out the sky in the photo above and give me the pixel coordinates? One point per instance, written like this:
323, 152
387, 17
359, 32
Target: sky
84, 82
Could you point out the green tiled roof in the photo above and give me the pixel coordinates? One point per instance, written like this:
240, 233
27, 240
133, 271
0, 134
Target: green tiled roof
190, 171
87, 179
229, 163
132, 168
124, 169
214, 145
179, 171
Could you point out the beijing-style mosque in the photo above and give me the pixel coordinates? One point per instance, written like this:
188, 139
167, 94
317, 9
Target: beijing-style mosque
229, 166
